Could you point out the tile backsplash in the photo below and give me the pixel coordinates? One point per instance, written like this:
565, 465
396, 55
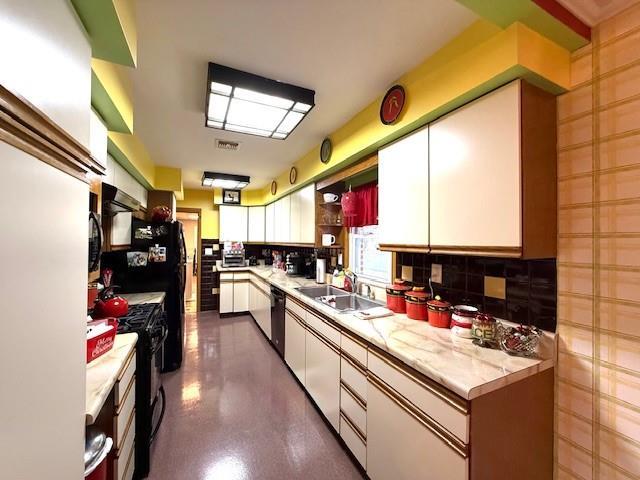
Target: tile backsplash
522, 291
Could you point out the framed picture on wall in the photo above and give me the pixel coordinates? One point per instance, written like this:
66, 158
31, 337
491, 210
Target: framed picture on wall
231, 197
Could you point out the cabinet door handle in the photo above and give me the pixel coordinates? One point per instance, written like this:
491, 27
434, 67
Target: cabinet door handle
324, 340
452, 442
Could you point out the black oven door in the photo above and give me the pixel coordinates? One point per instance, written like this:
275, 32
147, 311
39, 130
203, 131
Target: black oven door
95, 241
157, 397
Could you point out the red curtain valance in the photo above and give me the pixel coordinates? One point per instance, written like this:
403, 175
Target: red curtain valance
360, 206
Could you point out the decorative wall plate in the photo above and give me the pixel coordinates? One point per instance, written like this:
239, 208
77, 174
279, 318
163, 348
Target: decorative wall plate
325, 150
293, 175
392, 105
274, 187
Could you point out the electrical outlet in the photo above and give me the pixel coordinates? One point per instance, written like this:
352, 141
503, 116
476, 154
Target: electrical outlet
436, 273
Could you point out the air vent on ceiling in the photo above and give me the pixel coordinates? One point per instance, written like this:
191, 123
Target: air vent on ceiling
227, 145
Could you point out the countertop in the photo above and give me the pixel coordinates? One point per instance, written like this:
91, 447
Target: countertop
103, 372
148, 297
464, 368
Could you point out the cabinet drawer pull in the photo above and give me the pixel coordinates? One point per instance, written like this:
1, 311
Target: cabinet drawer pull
348, 421
322, 338
353, 394
354, 338
354, 363
436, 390
294, 315
455, 444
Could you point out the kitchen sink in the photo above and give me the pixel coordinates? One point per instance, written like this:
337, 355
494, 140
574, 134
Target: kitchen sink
352, 303
321, 291
338, 299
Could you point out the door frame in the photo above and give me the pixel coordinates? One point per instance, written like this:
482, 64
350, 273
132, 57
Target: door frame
199, 259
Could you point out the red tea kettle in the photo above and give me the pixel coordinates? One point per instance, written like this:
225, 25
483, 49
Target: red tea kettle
110, 305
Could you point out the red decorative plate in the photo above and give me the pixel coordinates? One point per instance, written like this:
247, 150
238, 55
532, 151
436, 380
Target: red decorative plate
392, 105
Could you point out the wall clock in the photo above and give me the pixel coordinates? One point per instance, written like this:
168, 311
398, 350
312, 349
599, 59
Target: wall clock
274, 187
392, 104
293, 175
325, 150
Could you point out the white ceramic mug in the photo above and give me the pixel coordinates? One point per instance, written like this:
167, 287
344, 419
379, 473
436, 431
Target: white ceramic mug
328, 239
330, 197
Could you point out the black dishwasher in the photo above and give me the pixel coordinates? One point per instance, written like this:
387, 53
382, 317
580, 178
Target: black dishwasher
277, 319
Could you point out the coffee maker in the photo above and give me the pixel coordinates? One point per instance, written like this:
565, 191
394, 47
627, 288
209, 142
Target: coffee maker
295, 264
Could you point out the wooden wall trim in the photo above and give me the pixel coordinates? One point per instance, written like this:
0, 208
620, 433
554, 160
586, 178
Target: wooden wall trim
359, 167
30, 130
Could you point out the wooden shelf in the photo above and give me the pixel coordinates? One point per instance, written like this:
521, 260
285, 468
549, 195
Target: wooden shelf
331, 225
334, 246
331, 204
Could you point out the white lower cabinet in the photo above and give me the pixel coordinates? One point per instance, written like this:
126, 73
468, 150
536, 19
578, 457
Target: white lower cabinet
295, 345
241, 296
402, 447
226, 296
322, 370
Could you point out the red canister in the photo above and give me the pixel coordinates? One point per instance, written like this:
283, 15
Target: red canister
395, 296
439, 313
416, 300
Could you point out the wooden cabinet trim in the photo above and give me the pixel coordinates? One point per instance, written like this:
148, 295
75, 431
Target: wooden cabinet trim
436, 389
354, 427
349, 389
506, 252
354, 362
455, 444
355, 339
27, 128
125, 396
322, 338
391, 247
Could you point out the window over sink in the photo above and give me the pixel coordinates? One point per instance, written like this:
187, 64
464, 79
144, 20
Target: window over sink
365, 260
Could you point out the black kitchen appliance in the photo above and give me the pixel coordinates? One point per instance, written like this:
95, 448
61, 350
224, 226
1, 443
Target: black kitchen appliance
95, 241
148, 320
166, 274
277, 319
295, 264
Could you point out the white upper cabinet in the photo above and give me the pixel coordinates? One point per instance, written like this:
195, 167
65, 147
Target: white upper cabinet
233, 223
282, 221
269, 223
295, 217
256, 224
403, 192
476, 174
307, 203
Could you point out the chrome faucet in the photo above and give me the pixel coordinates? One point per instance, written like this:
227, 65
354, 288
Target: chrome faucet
370, 295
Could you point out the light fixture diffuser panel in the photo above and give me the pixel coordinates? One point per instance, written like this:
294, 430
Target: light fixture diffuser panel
246, 103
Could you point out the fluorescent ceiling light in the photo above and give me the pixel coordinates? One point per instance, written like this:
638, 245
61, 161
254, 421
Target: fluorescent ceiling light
224, 180
247, 103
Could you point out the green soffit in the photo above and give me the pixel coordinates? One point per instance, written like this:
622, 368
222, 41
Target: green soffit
120, 157
108, 39
106, 108
505, 12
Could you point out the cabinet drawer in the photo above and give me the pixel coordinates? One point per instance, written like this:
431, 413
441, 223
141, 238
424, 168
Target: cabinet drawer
240, 276
125, 382
450, 411
355, 443
226, 276
123, 419
296, 308
124, 463
324, 328
354, 378
356, 412
355, 348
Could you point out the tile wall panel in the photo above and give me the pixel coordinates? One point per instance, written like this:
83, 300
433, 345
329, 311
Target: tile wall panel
518, 290
598, 374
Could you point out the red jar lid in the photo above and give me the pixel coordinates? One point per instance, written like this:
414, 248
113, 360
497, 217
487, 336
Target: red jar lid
417, 295
399, 287
438, 304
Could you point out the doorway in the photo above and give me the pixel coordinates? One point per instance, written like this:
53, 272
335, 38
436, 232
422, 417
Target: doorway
190, 219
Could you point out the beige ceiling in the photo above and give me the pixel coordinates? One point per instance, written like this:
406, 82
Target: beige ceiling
593, 12
348, 51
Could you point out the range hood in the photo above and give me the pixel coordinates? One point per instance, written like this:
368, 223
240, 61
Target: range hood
115, 201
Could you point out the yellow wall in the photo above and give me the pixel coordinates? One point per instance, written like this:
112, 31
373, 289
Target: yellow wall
116, 81
478, 60
203, 199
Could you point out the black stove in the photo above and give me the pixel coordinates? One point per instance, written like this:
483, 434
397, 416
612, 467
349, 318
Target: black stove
149, 321
137, 317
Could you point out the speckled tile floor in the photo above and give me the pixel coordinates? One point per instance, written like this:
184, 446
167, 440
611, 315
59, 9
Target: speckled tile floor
234, 412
